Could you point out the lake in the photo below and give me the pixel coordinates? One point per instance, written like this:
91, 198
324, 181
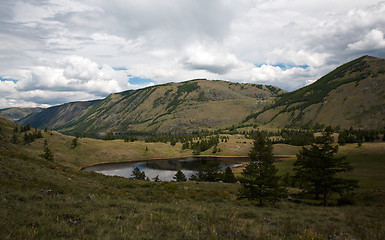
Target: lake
165, 169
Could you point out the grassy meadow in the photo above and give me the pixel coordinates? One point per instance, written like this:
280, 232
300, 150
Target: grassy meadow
40, 199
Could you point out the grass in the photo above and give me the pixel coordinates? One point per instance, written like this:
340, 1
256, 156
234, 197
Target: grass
54, 200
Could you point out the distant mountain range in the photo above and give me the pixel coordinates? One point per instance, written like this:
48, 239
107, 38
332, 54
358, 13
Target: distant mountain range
17, 113
353, 95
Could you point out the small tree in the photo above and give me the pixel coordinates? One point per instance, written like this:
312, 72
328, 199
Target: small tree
156, 179
317, 168
47, 154
74, 143
180, 177
259, 181
228, 176
137, 174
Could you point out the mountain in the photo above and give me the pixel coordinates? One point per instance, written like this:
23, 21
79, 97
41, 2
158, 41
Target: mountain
353, 95
16, 113
170, 108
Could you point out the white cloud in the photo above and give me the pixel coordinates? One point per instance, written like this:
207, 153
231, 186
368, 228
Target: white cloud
69, 47
374, 40
209, 58
71, 78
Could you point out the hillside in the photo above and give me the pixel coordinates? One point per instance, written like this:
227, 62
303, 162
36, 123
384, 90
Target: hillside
171, 108
42, 199
16, 113
353, 95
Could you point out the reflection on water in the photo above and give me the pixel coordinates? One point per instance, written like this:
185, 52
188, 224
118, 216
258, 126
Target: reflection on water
165, 169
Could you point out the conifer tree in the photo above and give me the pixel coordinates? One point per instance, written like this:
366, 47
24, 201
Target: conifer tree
137, 174
156, 179
317, 168
228, 176
47, 154
180, 177
259, 181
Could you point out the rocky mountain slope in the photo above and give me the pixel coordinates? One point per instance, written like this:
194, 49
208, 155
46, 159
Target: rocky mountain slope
170, 108
353, 95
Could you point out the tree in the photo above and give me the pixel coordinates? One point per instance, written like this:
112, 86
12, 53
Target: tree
74, 142
180, 177
47, 154
228, 176
259, 181
156, 179
317, 168
137, 174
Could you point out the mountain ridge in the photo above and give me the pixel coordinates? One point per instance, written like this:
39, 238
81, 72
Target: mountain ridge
352, 95
177, 108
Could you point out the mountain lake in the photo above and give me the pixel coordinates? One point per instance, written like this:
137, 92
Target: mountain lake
166, 169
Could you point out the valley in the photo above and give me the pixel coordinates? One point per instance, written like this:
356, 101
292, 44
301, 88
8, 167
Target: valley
46, 195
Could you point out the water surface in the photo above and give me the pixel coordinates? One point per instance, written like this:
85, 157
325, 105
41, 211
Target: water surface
165, 169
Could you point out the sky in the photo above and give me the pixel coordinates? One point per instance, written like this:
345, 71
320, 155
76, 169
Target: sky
58, 51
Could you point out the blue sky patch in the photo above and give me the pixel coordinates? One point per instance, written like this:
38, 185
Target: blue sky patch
3, 79
284, 66
119, 68
139, 80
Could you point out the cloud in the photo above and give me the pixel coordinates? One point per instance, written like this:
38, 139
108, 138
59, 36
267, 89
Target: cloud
374, 40
69, 48
210, 59
71, 78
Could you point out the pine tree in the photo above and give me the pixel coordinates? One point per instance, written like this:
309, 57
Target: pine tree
316, 168
180, 177
47, 154
259, 181
74, 143
137, 174
156, 179
228, 176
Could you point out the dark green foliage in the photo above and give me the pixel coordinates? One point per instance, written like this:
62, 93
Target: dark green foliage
208, 172
259, 180
204, 143
74, 143
31, 136
109, 136
48, 155
185, 88
156, 179
137, 174
180, 177
273, 89
130, 139
228, 175
296, 137
25, 128
317, 168
355, 136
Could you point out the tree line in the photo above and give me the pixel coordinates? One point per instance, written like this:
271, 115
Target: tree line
316, 172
